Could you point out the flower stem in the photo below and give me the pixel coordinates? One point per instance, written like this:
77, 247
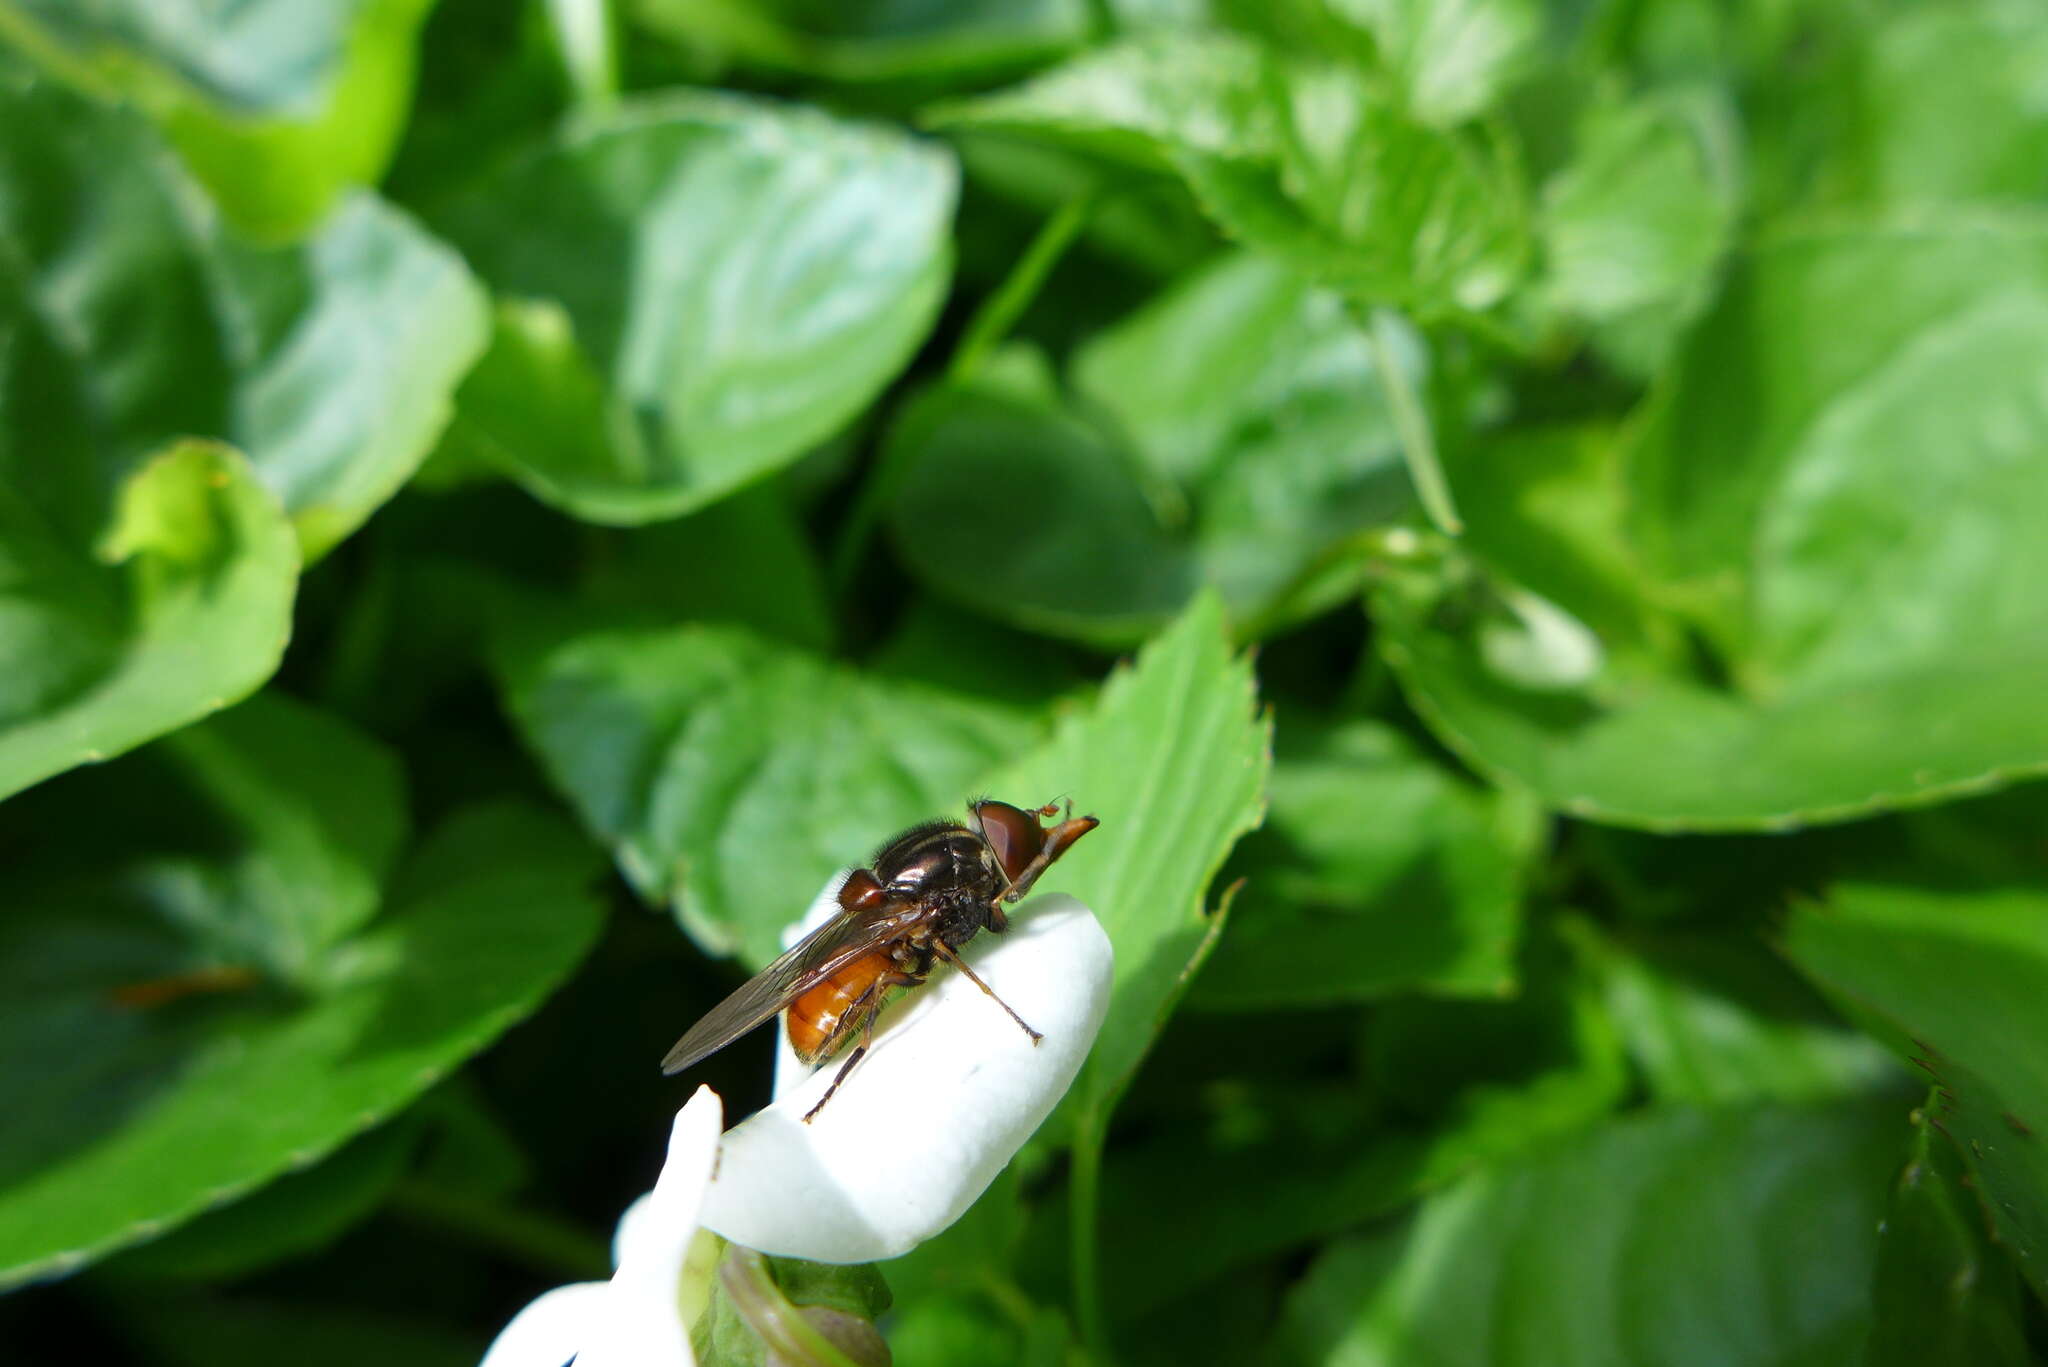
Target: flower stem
760, 1302
1000, 311
541, 1242
1411, 421
990, 324
1084, 1178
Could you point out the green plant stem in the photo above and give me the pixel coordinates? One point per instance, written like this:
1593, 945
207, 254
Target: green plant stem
760, 1302
1084, 1180
541, 1242
583, 38
1411, 421
985, 331
1001, 310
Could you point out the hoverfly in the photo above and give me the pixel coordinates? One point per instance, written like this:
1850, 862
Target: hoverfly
922, 896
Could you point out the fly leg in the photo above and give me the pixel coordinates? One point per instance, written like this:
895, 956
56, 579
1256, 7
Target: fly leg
945, 951
1057, 842
861, 1015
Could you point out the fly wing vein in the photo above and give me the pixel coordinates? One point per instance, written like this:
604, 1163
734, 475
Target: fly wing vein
814, 958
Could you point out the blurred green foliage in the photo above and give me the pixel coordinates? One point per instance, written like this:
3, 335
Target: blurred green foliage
1524, 521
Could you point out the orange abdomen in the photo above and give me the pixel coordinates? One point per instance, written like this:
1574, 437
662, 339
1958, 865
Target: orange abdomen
818, 1020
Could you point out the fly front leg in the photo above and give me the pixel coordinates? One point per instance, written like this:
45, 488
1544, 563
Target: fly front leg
945, 951
1057, 841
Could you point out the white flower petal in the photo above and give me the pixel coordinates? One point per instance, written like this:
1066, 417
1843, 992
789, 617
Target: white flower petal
949, 1093
642, 1324
552, 1328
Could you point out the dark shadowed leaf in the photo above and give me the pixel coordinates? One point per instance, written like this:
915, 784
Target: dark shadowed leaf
1234, 432
150, 1093
1717, 1020
1268, 1167
293, 1216
1378, 870
863, 43
1677, 1237
1954, 978
1944, 1292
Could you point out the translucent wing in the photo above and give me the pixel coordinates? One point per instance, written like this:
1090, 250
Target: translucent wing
817, 956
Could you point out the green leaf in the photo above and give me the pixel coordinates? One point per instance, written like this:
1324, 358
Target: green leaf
873, 43
313, 812
278, 106
1378, 870
1634, 224
1297, 159
1083, 554
1449, 59
1143, 101
1924, 134
1200, 467
181, 607
1953, 979
1943, 1291
1173, 758
733, 774
146, 1114
765, 1311
1712, 1020
1792, 494
683, 570
1677, 1237
1366, 200
1269, 1167
293, 1216
1807, 421
141, 318
698, 287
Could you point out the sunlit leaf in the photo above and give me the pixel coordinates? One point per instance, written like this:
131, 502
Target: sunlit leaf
1302, 160
1449, 58
279, 106
1855, 396
1926, 135
143, 318
1173, 758
179, 606
696, 288
733, 775
1633, 225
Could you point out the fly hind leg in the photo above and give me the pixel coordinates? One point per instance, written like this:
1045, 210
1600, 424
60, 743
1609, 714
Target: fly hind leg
859, 1016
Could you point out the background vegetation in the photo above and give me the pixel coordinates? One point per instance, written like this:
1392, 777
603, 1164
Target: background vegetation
1524, 520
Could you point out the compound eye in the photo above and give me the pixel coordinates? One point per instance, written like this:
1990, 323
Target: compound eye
1013, 836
